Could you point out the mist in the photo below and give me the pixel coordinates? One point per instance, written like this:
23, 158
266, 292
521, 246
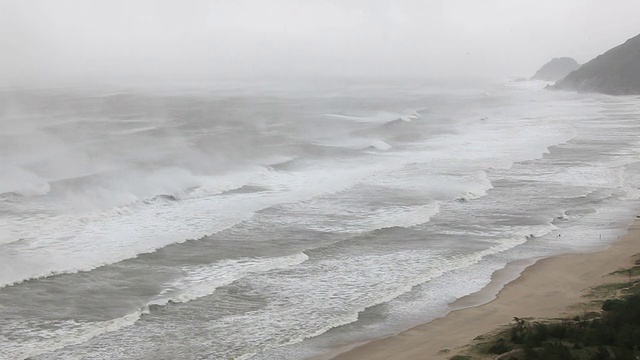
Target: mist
87, 41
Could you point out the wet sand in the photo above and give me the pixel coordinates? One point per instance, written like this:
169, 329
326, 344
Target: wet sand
550, 288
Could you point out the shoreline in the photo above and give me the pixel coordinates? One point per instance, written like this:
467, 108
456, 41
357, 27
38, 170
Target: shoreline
540, 288
499, 279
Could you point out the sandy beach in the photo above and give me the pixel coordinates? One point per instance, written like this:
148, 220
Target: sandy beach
549, 288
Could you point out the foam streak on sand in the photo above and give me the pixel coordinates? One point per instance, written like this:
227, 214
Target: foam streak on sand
545, 289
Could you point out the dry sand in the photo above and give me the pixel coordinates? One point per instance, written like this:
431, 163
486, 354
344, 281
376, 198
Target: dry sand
550, 288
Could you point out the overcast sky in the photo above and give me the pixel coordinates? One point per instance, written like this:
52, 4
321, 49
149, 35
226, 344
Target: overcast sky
105, 39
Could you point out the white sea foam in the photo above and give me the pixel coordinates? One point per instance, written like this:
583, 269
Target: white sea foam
35, 342
195, 282
332, 216
484, 192
377, 117
328, 308
22, 182
70, 243
201, 281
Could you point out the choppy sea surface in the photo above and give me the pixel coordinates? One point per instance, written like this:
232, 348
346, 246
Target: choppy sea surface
277, 221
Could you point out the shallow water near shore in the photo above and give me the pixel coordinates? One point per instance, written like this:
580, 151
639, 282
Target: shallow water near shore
276, 222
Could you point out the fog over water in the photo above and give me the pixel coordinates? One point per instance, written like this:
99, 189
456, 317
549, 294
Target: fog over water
76, 40
274, 179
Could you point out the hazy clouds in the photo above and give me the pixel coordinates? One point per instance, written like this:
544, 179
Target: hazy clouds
121, 39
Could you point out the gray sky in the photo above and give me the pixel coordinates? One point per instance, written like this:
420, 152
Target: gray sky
106, 39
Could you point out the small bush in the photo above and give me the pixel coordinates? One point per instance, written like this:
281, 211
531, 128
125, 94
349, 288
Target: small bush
555, 351
500, 347
601, 354
612, 304
460, 357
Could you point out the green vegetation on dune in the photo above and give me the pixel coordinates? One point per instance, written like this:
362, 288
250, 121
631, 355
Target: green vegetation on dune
614, 333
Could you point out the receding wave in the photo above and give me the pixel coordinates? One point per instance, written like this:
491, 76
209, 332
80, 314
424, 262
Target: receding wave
434, 267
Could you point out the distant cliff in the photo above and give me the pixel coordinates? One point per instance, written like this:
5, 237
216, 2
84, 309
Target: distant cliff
616, 72
556, 69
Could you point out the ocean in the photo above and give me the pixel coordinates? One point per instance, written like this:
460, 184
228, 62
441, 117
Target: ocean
270, 220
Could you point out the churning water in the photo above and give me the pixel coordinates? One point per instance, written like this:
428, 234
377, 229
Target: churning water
274, 222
